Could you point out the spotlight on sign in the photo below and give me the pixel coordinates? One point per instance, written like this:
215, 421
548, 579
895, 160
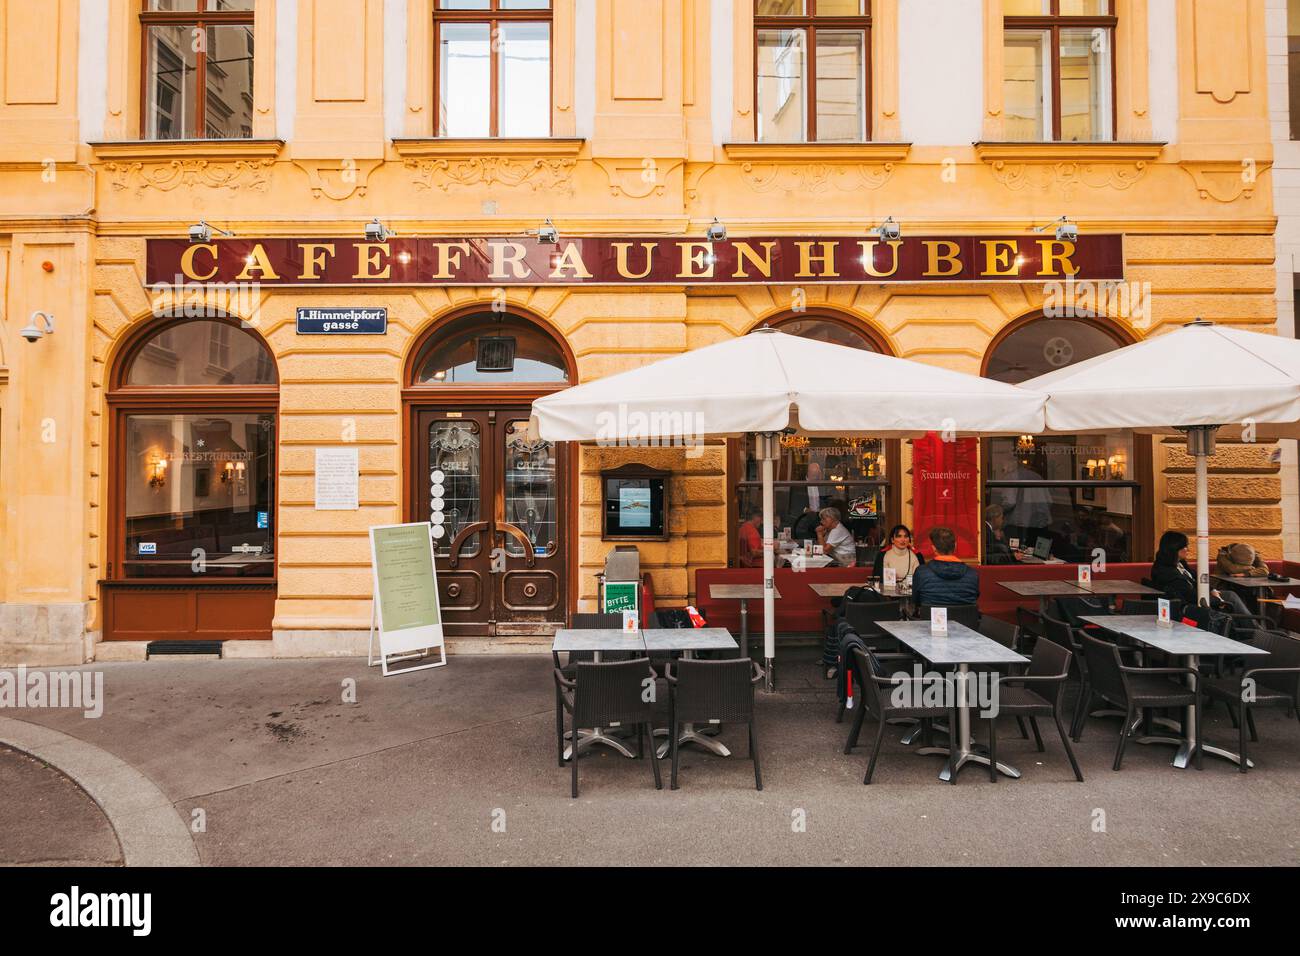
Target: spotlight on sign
716, 232
202, 232
889, 230
548, 234
1066, 231
376, 231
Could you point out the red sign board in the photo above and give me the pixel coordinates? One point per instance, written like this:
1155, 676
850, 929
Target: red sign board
649, 260
945, 492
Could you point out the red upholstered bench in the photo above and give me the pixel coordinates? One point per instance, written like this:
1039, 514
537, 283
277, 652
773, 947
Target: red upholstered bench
799, 611
1001, 602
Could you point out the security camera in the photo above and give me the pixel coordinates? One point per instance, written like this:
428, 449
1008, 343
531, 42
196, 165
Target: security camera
716, 232
377, 232
41, 325
548, 234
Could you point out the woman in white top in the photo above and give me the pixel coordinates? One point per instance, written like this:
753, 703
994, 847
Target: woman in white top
897, 553
835, 539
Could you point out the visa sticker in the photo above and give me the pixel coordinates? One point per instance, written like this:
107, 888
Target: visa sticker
263, 518
148, 547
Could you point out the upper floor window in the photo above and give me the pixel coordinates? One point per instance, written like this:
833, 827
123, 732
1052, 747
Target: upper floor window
1059, 70
1293, 63
493, 71
812, 61
198, 69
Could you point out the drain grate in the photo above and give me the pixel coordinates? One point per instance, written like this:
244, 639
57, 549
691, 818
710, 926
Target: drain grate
183, 648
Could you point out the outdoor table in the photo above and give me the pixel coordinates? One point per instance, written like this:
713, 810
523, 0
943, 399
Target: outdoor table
1253, 586
1178, 640
744, 593
1116, 586
1043, 590
961, 646
597, 640
688, 640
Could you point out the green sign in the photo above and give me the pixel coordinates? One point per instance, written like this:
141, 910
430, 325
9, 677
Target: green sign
408, 591
620, 596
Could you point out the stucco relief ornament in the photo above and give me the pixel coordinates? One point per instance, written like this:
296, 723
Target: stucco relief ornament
251, 175
815, 177
537, 174
1067, 177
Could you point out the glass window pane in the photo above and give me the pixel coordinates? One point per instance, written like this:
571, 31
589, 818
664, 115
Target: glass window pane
841, 86
780, 8
464, 79
229, 82
456, 449
202, 353
1085, 8
1085, 85
781, 94
451, 357
200, 495
1026, 8
230, 6
524, 55
171, 87
824, 330
530, 489
464, 4
1027, 82
1046, 345
840, 8
173, 6
525, 4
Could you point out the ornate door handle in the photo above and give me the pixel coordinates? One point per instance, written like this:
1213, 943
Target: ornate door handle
465, 532
516, 532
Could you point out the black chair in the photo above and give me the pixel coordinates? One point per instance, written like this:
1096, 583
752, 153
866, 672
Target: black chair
996, 629
1277, 685
967, 614
713, 692
1048, 669
864, 617
879, 705
609, 695
1135, 606
1072, 609
582, 621
1030, 624
1138, 688
847, 678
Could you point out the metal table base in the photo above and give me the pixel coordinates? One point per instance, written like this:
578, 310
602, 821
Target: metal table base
962, 750
1188, 745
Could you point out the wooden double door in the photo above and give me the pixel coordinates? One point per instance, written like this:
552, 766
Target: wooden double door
496, 495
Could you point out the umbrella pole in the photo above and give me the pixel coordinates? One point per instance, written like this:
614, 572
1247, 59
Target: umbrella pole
767, 453
1200, 443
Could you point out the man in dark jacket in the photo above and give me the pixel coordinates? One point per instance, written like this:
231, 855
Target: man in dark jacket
946, 580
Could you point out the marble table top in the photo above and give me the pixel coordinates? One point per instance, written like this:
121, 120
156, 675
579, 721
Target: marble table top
734, 592
1042, 588
1244, 582
598, 639
961, 646
1179, 639
1116, 586
689, 639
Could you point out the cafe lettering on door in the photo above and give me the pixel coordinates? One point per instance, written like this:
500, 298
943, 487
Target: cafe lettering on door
634, 261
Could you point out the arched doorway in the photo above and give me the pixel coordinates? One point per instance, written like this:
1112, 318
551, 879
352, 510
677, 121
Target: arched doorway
858, 476
1071, 495
192, 486
499, 498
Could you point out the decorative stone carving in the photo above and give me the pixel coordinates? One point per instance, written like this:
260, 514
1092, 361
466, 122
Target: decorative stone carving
250, 175
338, 179
638, 178
1068, 177
815, 177
1226, 181
537, 174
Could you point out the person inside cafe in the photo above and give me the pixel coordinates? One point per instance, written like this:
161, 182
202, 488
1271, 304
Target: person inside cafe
945, 580
1242, 561
897, 553
1170, 573
751, 539
836, 540
807, 502
996, 548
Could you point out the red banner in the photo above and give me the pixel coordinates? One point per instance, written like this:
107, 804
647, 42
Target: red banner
945, 492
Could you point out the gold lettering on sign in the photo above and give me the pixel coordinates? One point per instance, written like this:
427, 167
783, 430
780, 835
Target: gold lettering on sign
1051, 257
745, 252
570, 258
511, 254
313, 258
869, 257
448, 257
826, 258
620, 259
934, 257
1000, 257
259, 260
368, 254
187, 261
697, 260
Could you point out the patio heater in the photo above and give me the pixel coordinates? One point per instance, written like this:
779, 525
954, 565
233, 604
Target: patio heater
768, 447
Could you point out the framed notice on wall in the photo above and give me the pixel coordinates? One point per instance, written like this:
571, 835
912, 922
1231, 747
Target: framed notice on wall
406, 618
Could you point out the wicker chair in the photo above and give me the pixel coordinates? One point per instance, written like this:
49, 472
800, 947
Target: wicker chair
967, 614
882, 709
1030, 624
1273, 686
1072, 609
1048, 669
864, 617
713, 692
1138, 688
609, 695
569, 666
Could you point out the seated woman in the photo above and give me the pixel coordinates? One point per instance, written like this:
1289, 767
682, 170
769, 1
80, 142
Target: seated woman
1170, 573
897, 553
835, 539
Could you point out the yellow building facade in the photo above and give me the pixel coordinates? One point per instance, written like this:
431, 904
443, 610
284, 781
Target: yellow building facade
654, 131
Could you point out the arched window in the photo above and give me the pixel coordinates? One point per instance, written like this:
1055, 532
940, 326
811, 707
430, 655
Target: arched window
1067, 496
851, 474
490, 348
194, 454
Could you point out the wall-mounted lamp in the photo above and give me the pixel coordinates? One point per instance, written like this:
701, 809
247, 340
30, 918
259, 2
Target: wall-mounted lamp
716, 232
157, 472
376, 231
548, 234
40, 325
1066, 231
889, 230
202, 232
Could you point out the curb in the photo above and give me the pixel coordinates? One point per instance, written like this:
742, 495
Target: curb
147, 826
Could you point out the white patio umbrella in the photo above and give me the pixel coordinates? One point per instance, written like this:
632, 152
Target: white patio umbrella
769, 382
1195, 379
